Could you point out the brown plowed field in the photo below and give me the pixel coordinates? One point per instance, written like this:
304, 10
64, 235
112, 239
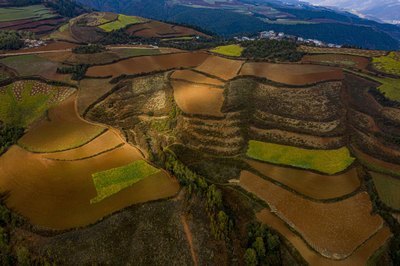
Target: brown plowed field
157, 29
221, 67
57, 194
198, 99
338, 59
63, 130
332, 229
147, 64
294, 74
375, 164
358, 258
195, 77
90, 90
311, 184
101, 144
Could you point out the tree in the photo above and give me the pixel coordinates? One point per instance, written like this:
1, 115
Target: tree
259, 247
250, 257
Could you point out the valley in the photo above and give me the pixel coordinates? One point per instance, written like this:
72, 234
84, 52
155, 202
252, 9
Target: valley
127, 139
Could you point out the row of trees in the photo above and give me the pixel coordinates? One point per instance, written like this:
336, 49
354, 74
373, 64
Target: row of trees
221, 224
89, 49
272, 50
78, 71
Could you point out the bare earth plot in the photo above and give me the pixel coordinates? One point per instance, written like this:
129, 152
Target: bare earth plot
195, 77
147, 64
332, 229
223, 68
57, 194
310, 184
198, 99
63, 130
358, 258
295, 74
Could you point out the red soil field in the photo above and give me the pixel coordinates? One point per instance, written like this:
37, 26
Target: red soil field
57, 194
157, 29
295, 74
198, 99
308, 183
371, 162
105, 142
358, 258
62, 131
337, 59
33, 25
332, 229
223, 68
147, 64
195, 77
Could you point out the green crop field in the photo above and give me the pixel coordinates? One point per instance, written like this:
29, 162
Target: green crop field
35, 12
229, 50
389, 64
24, 110
325, 161
122, 22
388, 189
29, 65
112, 181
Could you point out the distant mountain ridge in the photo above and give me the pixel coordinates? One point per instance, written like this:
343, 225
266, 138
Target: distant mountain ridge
384, 10
236, 17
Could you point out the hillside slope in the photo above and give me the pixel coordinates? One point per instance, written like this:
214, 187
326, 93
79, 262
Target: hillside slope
230, 18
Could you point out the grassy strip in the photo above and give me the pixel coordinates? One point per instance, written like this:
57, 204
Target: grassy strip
112, 181
389, 64
35, 12
229, 50
325, 161
122, 22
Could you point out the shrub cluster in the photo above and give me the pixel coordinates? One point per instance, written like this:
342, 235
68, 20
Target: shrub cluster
89, 49
78, 71
272, 50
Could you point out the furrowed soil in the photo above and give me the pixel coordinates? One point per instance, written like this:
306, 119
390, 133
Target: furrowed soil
63, 129
223, 68
57, 194
332, 229
103, 143
147, 64
358, 258
310, 184
294, 74
338, 59
195, 77
198, 99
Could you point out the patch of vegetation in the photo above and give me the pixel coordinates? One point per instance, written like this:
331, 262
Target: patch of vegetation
9, 135
325, 161
78, 71
263, 246
229, 50
389, 64
220, 223
34, 12
112, 181
122, 22
89, 49
272, 50
13, 40
387, 188
22, 111
386, 99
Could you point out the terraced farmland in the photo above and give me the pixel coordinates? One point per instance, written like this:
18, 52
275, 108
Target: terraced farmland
122, 22
228, 50
335, 234
388, 64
